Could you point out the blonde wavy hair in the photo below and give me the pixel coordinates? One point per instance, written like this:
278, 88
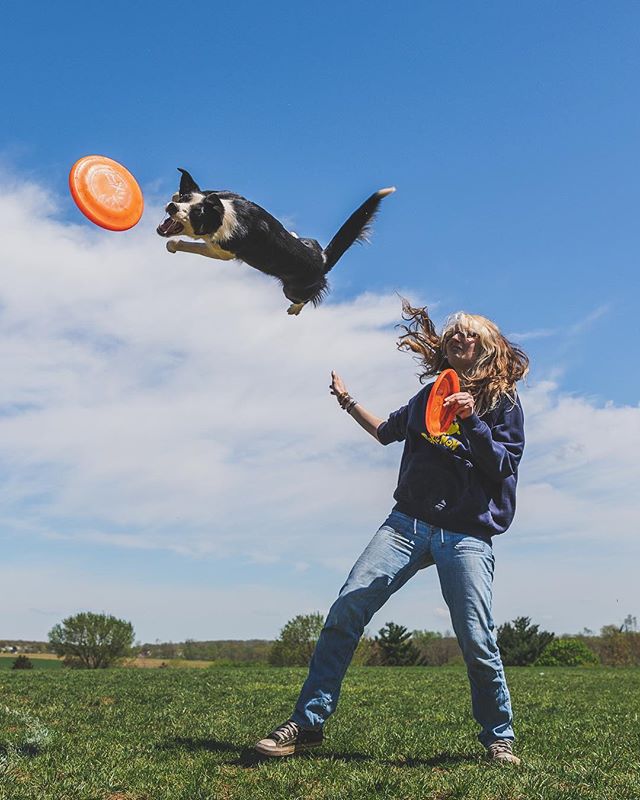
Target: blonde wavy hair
498, 368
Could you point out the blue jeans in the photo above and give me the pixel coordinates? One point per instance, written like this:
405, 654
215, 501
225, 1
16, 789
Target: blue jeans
400, 548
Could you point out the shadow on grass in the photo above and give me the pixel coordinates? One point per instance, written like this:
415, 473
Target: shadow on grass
247, 757
19, 750
194, 745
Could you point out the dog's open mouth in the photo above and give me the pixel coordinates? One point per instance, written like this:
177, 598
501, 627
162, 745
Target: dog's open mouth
170, 227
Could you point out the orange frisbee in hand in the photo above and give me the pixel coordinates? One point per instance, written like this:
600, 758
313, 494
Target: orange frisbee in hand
438, 418
106, 193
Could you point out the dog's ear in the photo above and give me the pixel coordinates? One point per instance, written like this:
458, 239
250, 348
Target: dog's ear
187, 184
213, 200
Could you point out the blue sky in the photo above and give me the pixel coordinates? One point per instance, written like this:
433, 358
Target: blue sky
511, 132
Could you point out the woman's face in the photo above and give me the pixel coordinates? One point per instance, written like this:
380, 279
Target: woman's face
462, 349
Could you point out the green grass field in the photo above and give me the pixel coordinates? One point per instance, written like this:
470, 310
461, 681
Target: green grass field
131, 734
6, 662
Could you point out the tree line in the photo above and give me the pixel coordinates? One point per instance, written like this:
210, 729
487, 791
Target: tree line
521, 643
95, 641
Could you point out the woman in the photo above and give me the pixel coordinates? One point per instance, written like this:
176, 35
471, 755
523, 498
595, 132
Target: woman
455, 492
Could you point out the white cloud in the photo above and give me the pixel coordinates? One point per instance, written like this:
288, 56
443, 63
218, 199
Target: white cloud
146, 391
152, 401
579, 468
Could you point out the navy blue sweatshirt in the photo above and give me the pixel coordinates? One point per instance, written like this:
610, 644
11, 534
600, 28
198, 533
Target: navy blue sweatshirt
465, 480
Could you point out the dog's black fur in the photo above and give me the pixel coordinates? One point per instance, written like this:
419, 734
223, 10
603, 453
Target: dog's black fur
233, 227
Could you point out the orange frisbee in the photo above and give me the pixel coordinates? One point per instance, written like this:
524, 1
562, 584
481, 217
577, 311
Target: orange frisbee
437, 418
106, 193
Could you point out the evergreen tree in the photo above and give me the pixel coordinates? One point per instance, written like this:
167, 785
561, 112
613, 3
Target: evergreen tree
395, 647
521, 643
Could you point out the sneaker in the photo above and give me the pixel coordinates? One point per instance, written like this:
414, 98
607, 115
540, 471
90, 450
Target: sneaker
287, 739
502, 751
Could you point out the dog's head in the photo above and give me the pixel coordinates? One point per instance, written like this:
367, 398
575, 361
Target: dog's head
191, 211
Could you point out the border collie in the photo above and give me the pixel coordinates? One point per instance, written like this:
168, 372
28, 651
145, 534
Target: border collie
232, 227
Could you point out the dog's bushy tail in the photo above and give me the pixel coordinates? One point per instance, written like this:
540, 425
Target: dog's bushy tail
356, 229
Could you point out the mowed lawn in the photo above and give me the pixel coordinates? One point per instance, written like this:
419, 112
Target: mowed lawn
163, 734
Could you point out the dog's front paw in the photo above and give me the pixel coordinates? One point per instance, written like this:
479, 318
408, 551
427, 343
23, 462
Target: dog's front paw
295, 308
172, 245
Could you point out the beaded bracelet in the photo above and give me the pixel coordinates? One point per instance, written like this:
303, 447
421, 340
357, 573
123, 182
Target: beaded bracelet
349, 407
347, 402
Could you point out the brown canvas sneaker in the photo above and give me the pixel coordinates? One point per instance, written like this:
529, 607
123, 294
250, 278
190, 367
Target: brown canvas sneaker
501, 751
287, 739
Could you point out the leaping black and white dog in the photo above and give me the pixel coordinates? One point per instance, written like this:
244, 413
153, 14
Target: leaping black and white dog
232, 227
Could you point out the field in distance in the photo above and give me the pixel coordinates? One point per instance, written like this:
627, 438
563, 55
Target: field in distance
51, 661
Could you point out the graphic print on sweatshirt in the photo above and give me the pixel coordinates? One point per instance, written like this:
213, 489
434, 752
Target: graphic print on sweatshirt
447, 439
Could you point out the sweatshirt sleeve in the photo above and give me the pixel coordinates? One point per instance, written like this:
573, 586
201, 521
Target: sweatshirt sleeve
497, 450
395, 428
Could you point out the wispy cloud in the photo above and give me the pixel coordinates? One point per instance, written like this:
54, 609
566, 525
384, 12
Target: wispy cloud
539, 333
571, 330
584, 324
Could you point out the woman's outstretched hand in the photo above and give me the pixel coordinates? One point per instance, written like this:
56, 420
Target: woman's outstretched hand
364, 418
338, 389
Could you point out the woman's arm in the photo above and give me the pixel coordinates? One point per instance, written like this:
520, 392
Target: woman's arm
364, 418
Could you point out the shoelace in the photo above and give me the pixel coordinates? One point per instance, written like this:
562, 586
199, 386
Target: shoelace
500, 746
287, 731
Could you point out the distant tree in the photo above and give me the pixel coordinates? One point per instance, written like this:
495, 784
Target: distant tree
294, 647
191, 650
521, 642
616, 646
22, 662
366, 653
567, 652
92, 641
166, 650
436, 649
395, 646
254, 651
